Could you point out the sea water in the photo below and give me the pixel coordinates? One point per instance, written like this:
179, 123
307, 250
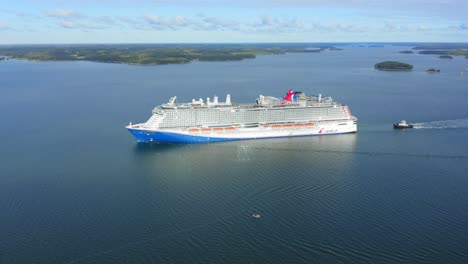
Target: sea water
75, 187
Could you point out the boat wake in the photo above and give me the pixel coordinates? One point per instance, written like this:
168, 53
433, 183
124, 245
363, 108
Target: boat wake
442, 124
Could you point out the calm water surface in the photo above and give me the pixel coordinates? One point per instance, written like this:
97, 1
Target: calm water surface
76, 188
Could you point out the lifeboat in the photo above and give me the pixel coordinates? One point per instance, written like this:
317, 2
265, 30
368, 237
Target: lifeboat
298, 125
309, 124
277, 126
206, 130
287, 126
230, 128
218, 129
194, 130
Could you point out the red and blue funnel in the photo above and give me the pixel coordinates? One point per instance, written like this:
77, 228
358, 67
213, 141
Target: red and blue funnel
291, 96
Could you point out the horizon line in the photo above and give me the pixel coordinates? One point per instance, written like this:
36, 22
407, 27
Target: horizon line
205, 43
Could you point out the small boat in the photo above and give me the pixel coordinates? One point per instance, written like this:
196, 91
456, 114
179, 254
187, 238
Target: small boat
432, 70
257, 216
402, 124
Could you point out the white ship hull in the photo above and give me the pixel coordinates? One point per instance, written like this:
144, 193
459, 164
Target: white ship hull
242, 133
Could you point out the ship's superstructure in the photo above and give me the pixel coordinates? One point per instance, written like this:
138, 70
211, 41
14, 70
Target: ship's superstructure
269, 117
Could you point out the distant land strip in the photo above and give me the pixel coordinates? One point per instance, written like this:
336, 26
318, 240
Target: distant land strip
152, 54
454, 49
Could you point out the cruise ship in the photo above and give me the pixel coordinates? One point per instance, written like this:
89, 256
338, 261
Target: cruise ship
269, 117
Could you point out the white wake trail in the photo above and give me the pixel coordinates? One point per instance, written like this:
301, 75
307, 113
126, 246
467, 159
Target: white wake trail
443, 124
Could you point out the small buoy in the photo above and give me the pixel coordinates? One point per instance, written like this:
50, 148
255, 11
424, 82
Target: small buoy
256, 216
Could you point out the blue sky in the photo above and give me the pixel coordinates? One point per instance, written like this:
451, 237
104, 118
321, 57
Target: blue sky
211, 21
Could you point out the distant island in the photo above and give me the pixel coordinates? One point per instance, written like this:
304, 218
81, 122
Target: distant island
406, 52
453, 49
445, 57
151, 54
434, 52
446, 46
393, 66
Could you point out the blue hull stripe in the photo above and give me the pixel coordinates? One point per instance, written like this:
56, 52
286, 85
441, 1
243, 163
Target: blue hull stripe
163, 137
168, 137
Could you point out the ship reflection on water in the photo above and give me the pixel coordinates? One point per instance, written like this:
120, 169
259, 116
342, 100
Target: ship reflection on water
275, 156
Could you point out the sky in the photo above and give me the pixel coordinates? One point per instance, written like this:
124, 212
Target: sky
235, 21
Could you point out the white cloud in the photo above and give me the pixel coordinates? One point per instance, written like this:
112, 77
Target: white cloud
264, 24
180, 21
75, 25
390, 26
350, 28
64, 14
268, 24
292, 23
153, 19
216, 23
199, 23
161, 23
422, 28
